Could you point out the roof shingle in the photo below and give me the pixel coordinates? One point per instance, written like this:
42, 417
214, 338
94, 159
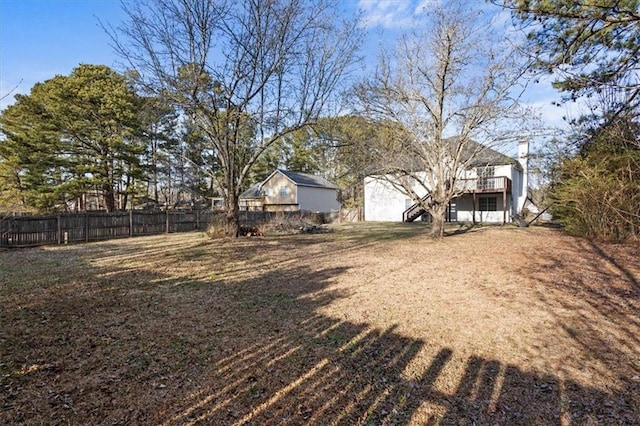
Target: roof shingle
304, 179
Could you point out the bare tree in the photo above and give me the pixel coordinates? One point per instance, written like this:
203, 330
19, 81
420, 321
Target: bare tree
246, 73
445, 89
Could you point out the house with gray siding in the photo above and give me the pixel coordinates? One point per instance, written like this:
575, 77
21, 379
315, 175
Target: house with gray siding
284, 190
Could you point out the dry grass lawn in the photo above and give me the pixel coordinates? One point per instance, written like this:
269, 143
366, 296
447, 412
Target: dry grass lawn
369, 324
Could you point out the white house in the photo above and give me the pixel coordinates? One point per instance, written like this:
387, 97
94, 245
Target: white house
283, 190
494, 190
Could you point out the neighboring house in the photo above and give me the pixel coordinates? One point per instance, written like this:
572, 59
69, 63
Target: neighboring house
291, 191
494, 191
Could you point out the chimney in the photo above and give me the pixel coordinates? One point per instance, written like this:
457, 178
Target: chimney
523, 159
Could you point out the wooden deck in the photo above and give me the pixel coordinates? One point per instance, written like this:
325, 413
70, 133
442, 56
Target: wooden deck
485, 185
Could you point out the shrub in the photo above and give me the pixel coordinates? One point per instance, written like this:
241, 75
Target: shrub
292, 224
598, 195
216, 228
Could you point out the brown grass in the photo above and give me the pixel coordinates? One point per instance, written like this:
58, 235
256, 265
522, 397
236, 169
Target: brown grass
370, 324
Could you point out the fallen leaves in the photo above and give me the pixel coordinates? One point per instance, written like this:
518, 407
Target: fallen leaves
368, 324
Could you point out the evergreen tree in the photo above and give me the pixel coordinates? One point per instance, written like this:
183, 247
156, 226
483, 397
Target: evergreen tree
71, 135
587, 45
159, 121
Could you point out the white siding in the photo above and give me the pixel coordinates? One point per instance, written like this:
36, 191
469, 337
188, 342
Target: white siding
464, 204
521, 195
464, 207
517, 191
485, 217
383, 202
318, 199
504, 170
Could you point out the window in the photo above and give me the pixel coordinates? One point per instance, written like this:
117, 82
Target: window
485, 172
408, 202
284, 191
486, 181
488, 204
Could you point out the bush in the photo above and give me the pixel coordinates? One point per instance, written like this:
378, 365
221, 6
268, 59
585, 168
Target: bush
292, 224
598, 195
263, 223
216, 228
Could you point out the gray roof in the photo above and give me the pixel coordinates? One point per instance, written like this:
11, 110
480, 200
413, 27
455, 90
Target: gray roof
300, 179
485, 156
304, 179
473, 155
254, 191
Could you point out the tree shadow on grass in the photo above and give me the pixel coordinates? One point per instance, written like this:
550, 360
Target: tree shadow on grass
597, 285
126, 345
620, 265
366, 233
591, 292
453, 229
332, 380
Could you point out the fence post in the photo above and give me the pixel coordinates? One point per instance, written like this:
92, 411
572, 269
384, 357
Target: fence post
197, 219
59, 220
3, 233
167, 220
131, 223
86, 226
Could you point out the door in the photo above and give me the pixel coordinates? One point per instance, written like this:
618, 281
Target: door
452, 212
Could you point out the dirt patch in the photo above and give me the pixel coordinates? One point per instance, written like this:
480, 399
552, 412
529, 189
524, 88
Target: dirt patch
368, 324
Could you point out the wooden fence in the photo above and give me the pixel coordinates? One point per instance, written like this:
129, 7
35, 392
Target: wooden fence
31, 231
352, 215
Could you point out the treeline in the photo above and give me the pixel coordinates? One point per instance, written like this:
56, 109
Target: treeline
89, 141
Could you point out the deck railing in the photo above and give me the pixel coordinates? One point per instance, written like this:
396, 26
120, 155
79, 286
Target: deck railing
485, 184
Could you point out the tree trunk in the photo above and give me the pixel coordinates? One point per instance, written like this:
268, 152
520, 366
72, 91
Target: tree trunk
109, 198
154, 168
128, 185
232, 225
437, 212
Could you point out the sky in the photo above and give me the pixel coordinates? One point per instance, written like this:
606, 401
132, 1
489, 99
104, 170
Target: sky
40, 39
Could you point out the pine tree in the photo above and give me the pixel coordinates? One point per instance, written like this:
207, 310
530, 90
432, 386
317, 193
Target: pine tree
73, 134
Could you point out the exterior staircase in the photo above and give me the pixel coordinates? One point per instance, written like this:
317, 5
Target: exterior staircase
415, 211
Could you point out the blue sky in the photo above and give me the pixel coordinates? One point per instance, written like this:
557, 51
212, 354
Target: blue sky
42, 38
